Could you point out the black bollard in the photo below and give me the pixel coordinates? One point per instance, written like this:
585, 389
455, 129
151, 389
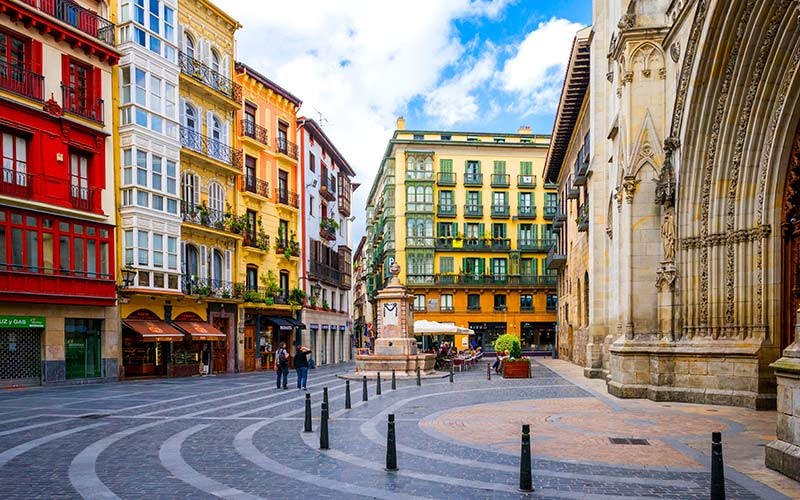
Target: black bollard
323, 428
391, 449
488, 372
717, 468
419, 377
378, 387
394, 381
364, 389
525, 479
347, 395
325, 395
451, 373
307, 426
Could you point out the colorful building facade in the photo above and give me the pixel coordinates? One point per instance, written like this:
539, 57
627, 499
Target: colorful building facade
58, 314
269, 207
469, 221
327, 247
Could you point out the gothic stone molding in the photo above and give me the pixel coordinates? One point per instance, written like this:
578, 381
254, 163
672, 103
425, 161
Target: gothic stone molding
728, 238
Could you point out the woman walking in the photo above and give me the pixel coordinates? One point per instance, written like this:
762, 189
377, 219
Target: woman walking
282, 365
301, 366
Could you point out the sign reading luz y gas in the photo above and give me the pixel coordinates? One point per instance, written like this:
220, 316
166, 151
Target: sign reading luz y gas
22, 321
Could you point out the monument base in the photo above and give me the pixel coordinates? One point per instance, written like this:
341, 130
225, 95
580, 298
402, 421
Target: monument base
404, 366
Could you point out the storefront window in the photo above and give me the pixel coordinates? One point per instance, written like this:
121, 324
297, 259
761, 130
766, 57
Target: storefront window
82, 345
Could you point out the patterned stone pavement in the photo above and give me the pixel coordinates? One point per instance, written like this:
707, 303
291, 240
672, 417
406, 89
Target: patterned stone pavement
239, 437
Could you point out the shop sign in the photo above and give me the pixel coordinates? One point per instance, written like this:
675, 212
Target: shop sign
22, 321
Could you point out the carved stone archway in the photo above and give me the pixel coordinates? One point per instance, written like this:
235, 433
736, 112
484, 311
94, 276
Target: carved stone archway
790, 226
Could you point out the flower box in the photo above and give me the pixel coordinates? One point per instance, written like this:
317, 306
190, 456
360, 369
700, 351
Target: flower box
516, 369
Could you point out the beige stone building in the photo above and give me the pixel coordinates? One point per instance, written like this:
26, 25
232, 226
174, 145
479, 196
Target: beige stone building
694, 218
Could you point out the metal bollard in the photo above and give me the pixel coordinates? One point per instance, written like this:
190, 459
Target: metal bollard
347, 395
378, 387
451, 374
323, 428
525, 479
307, 424
488, 371
394, 381
717, 468
419, 377
391, 448
325, 395
364, 389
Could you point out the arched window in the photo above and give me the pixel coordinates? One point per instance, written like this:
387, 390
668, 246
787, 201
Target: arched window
586, 297
216, 268
214, 60
192, 261
188, 43
216, 198
191, 118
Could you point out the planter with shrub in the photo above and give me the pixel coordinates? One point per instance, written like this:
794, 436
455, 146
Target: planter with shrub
515, 366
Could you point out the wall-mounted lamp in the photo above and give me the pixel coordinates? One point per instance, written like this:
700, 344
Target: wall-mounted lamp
351, 218
313, 183
128, 274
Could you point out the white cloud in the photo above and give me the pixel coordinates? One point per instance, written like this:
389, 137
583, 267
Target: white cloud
359, 63
535, 72
454, 101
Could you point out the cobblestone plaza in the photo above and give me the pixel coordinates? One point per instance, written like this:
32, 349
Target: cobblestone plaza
237, 436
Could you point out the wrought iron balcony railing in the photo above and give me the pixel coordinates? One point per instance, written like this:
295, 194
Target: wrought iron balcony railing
526, 181
484, 280
526, 212
83, 198
446, 210
16, 183
253, 131
202, 215
285, 146
257, 186
79, 103
204, 287
78, 17
210, 78
473, 179
500, 211
286, 197
473, 210
191, 139
501, 180
21, 81
535, 244
550, 211
446, 179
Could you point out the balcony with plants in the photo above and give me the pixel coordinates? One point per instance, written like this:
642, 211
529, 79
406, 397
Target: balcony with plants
270, 293
583, 217
256, 238
287, 245
328, 228
214, 288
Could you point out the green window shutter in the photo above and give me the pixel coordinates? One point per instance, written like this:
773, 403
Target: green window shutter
454, 226
535, 231
465, 229
481, 266
481, 229
479, 166
499, 167
525, 168
463, 264
446, 166
479, 198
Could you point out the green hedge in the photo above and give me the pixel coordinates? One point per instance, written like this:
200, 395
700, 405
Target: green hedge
508, 342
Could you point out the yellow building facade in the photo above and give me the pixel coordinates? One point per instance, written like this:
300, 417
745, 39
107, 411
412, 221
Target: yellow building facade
269, 203
469, 221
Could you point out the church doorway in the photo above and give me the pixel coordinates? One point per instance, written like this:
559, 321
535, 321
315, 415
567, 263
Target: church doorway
791, 244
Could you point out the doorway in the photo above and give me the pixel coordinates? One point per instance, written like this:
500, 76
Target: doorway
791, 244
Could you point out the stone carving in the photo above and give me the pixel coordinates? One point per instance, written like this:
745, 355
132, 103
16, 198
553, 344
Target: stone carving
668, 233
688, 64
629, 185
675, 51
755, 234
626, 22
627, 77
665, 185
610, 76
665, 278
662, 73
620, 194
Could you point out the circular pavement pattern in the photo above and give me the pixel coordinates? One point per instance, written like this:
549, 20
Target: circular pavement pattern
239, 437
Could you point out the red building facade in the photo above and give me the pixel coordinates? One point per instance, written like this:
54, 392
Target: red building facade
58, 314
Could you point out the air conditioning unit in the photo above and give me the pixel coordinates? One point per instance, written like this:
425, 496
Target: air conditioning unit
527, 179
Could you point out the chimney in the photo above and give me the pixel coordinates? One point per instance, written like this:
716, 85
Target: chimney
524, 129
401, 123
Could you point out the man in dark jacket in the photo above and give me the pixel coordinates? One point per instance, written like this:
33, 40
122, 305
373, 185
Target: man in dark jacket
301, 365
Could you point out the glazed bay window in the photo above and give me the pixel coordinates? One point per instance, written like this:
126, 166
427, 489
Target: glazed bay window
446, 303
419, 167
148, 101
154, 255
419, 265
149, 172
33, 243
420, 232
419, 198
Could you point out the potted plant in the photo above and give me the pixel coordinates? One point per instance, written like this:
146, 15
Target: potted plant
297, 297
515, 366
252, 296
203, 290
238, 290
313, 301
271, 286
205, 213
325, 305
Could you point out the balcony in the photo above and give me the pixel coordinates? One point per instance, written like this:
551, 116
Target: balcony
202, 215
500, 309
446, 309
550, 211
500, 211
15, 183
325, 273
197, 142
473, 211
446, 210
581, 169
501, 180
255, 132
473, 244
535, 245
583, 218
573, 193
326, 192
419, 241
80, 18
21, 81
256, 186
327, 229
254, 240
259, 296
526, 212
445, 179
63, 287
555, 259
84, 198
200, 287
473, 179
526, 181
286, 147
84, 106
482, 280
208, 77
286, 197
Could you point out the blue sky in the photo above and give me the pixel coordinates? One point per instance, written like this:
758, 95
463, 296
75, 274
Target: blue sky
482, 65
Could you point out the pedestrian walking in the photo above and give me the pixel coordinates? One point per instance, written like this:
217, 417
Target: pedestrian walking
282, 365
301, 366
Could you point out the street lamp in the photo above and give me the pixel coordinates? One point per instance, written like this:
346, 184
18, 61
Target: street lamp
128, 276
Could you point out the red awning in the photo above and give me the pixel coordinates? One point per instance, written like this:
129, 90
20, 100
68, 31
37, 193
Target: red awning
200, 331
153, 330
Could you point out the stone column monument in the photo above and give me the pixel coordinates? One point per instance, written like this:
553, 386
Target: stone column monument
783, 454
395, 345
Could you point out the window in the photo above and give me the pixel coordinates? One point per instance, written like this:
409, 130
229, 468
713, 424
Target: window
552, 302
216, 267
500, 302
419, 302
154, 16
420, 232
15, 163
499, 267
169, 100
172, 177
499, 167
142, 243
312, 162
446, 265
526, 168
251, 278
499, 139
79, 177
473, 139
216, 197
527, 234
419, 137
419, 167
473, 167
473, 230
499, 199
311, 206
526, 302
284, 284
214, 60
155, 175
446, 303
550, 199
169, 24
139, 36
473, 198
419, 198
499, 230
172, 253
125, 82
446, 230
525, 202
216, 129
445, 200
128, 244
445, 137
80, 90
188, 43
155, 94
419, 264
473, 266
473, 302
